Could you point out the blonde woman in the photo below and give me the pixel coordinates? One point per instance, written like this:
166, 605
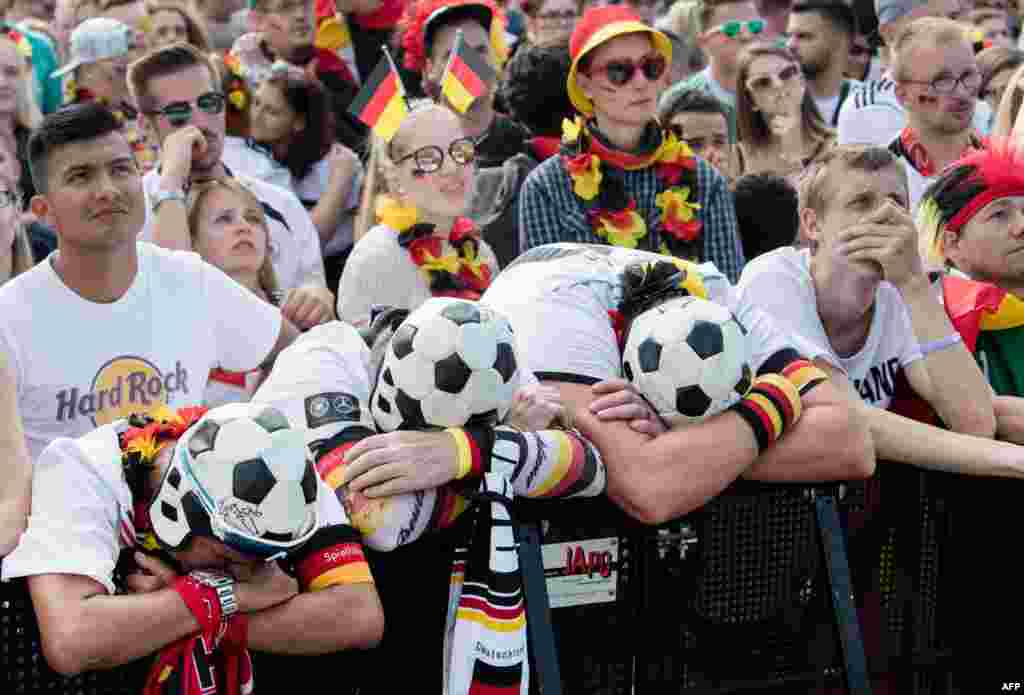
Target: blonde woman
229, 231
423, 245
18, 111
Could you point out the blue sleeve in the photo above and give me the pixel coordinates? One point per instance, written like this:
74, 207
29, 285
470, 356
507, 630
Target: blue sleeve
538, 212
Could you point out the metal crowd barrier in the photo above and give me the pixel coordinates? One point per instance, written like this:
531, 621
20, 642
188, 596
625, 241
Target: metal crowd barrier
768, 588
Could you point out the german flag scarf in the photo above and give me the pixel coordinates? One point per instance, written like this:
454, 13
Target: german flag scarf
485, 650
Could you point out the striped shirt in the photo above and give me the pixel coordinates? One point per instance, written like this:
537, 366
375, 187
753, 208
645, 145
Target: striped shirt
550, 211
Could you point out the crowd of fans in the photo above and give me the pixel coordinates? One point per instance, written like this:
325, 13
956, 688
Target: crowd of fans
193, 216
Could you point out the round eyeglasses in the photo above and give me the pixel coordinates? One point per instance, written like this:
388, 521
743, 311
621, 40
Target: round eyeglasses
430, 158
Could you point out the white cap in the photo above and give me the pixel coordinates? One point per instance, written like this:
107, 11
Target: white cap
99, 38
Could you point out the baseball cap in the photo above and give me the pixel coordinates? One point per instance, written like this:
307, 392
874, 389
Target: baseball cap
891, 10
99, 38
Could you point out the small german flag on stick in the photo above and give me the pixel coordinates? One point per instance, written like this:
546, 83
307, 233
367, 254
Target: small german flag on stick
466, 76
381, 102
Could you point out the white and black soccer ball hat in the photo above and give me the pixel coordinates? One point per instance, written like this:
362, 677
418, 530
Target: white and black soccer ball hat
244, 476
449, 363
689, 357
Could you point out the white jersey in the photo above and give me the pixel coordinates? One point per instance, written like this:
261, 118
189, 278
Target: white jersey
322, 381
294, 242
558, 296
872, 115
80, 364
780, 283
82, 512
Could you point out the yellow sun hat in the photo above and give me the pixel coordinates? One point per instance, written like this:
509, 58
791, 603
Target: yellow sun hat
597, 26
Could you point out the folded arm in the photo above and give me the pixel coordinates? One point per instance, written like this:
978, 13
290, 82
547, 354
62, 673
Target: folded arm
15, 464
948, 378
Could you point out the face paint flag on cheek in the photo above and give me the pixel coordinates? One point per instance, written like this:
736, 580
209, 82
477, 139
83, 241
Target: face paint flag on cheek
466, 76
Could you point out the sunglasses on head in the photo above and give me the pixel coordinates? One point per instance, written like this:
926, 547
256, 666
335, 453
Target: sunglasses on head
732, 29
763, 83
179, 113
621, 72
430, 159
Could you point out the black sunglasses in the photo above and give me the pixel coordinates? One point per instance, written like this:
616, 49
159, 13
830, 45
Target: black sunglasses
621, 72
178, 113
431, 158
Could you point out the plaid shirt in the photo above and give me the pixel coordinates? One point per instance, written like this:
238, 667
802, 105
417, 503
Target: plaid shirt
550, 212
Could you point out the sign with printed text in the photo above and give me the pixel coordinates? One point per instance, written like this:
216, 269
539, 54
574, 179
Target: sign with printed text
581, 572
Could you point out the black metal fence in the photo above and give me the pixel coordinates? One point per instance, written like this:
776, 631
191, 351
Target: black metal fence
768, 588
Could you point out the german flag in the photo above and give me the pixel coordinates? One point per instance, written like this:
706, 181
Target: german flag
381, 104
466, 76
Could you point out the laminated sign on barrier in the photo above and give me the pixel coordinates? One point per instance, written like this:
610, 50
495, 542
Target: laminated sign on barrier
581, 572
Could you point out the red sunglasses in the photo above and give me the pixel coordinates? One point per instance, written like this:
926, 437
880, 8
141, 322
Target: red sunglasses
621, 71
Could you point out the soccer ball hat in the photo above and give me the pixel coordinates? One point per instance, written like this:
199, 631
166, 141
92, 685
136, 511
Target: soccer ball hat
243, 476
598, 26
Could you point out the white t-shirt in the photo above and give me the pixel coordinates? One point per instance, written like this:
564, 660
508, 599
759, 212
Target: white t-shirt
916, 184
780, 283
872, 115
380, 271
82, 514
80, 364
294, 243
558, 296
241, 155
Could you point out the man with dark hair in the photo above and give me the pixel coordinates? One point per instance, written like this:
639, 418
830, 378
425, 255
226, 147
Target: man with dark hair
860, 295
820, 35
702, 121
177, 88
191, 537
135, 327
767, 213
533, 89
